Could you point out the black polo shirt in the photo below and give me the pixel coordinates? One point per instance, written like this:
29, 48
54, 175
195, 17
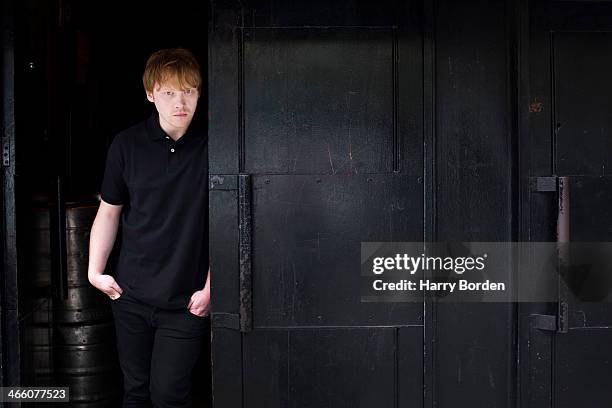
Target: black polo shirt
163, 186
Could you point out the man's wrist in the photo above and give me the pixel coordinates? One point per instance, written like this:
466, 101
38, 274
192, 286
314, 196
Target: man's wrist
91, 275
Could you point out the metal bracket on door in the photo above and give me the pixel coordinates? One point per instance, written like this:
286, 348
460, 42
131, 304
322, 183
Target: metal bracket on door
560, 185
563, 239
543, 322
222, 182
544, 184
244, 240
243, 320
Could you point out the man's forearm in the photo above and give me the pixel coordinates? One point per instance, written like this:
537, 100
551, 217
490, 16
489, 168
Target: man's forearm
101, 241
207, 284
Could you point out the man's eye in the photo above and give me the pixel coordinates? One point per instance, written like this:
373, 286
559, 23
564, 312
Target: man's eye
188, 91
169, 93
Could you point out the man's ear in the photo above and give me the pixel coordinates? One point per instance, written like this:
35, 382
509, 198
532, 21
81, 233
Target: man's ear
150, 97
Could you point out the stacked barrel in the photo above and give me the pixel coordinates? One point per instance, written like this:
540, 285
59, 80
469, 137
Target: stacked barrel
72, 340
38, 319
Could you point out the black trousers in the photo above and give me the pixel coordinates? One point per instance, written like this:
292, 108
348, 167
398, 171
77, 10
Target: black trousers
158, 350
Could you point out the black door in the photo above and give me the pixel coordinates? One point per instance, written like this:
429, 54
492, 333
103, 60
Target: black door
571, 130
316, 145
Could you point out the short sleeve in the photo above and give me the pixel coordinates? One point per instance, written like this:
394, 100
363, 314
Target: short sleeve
114, 189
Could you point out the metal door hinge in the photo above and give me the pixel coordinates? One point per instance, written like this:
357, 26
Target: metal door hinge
543, 322
226, 321
544, 184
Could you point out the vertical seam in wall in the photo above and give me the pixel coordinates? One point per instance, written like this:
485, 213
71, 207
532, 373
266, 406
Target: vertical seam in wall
553, 97
512, 33
241, 167
395, 68
429, 188
241, 131
396, 368
554, 170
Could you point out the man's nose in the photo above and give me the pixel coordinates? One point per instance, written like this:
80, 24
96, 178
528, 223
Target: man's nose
180, 100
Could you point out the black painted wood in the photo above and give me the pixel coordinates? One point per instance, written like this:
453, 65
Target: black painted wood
429, 191
582, 89
226, 371
225, 122
452, 112
582, 126
319, 101
540, 209
225, 291
590, 289
474, 343
583, 368
10, 356
312, 368
223, 238
324, 109
306, 244
568, 136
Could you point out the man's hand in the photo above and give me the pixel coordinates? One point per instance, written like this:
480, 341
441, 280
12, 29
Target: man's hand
106, 284
199, 304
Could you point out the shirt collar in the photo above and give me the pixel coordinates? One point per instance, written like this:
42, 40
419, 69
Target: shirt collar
155, 131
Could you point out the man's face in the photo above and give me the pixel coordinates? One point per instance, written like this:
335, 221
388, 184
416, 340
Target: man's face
175, 106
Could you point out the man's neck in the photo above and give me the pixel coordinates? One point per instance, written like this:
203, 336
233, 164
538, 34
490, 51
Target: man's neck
174, 133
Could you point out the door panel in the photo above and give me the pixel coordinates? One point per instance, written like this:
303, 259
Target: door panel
301, 368
591, 221
583, 63
584, 361
319, 100
591, 208
307, 232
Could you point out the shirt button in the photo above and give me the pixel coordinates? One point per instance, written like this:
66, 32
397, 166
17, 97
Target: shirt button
167, 137
172, 150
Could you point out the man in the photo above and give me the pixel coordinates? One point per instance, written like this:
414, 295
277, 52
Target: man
156, 179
